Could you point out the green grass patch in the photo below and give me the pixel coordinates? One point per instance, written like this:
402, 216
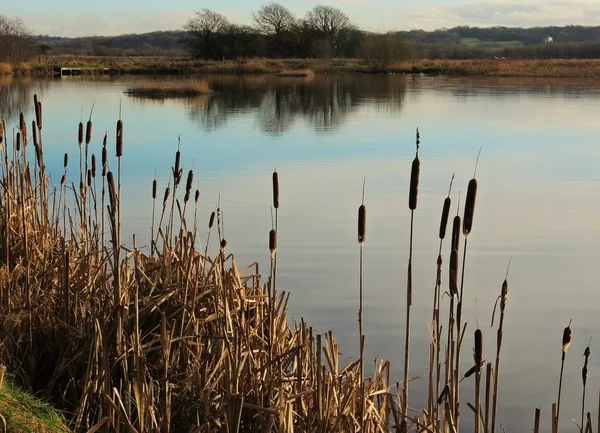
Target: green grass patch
24, 413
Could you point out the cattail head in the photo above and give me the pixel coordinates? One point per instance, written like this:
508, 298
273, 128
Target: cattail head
34, 133
223, 244
584, 371
445, 214
80, 134
166, 196
105, 139
35, 99
23, 127
273, 242
177, 163
453, 280
1, 132
275, 190
362, 224
88, 132
211, 220
414, 183
456, 233
119, 138
478, 355
566, 340
93, 165
38, 114
18, 143
470, 207
197, 196
89, 177
190, 179
66, 161
104, 160
154, 188
63, 180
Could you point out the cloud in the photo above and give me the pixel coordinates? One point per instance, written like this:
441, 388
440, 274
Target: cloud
485, 13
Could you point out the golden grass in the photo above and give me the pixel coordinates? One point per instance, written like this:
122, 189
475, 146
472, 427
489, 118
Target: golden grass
6, 68
157, 89
296, 73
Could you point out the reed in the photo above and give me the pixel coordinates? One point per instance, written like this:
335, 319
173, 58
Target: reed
584, 376
566, 342
362, 236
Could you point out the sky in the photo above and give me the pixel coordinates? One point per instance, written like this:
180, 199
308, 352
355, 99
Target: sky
114, 17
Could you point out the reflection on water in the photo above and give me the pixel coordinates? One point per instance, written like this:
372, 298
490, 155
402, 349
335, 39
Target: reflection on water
539, 183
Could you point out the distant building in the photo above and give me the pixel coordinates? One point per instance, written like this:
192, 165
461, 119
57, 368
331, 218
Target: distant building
548, 39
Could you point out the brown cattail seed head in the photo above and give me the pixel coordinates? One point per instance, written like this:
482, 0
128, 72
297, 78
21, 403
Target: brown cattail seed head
223, 244
197, 196
470, 207
104, 161
272, 242
584, 371
478, 347
177, 162
1, 132
445, 214
89, 178
18, 141
23, 127
80, 134
414, 184
38, 114
275, 190
154, 187
35, 99
34, 133
456, 233
105, 139
93, 165
119, 138
63, 180
453, 281
88, 132
190, 179
362, 224
566, 340
66, 161
211, 221
166, 196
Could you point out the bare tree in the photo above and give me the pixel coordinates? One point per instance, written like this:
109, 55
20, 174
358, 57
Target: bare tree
276, 22
16, 45
331, 23
203, 32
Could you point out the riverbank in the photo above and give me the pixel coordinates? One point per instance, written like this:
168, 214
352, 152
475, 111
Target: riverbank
87, 65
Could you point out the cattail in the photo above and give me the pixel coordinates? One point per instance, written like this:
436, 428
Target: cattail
272, 242
179, 176
80, 134
34, 133
35, 99
211, 221
223, 244
66, 161
414, 182
82, 189
453, 281
104, 160
23, 127
190, 179
89, 178
362, 224
456, 233
119, 138
275, 190
18, 141
584, 371
63, 180
445, 214
478, 355
470, 207
1, 132
177, 162
197, 196
88, 132
166, 196
93, 165
154, 187
105, 139
111, 189
566, 340
38, 114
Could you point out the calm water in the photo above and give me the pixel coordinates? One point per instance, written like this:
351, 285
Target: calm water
538, 200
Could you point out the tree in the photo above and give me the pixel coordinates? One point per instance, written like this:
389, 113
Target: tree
331, 24
276, 22
16, 45
382, 50
204, 32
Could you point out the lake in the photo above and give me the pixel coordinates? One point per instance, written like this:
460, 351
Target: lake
538, 200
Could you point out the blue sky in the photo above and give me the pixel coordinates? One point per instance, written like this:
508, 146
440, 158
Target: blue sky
112, 17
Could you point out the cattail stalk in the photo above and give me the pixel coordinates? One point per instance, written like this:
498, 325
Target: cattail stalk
584, 376
154, 188
362, 233
566, 342
478, 357
412, 205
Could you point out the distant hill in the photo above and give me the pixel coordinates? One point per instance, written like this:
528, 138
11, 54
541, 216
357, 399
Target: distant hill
148, 44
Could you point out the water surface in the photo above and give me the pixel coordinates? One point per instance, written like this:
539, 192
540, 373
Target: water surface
538, 200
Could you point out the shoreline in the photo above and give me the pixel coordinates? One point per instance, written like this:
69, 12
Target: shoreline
183, 66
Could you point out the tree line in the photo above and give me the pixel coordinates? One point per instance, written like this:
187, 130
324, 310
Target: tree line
16, 45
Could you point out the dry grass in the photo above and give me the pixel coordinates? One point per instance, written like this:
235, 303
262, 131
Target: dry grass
6, 69
296, 73
157, 89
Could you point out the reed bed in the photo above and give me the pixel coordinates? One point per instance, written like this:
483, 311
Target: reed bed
159, 89
166, 338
